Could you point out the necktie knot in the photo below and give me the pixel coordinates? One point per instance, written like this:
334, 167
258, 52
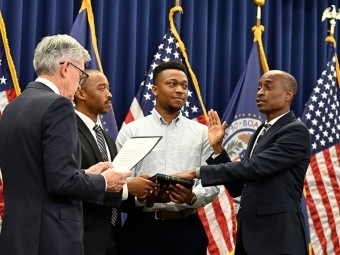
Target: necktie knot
266, 126
264, 129
97, 128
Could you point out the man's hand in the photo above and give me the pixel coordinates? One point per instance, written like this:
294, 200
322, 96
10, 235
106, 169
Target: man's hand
157, 195
189, 175
115, 180
179, 194
99, 168
216, 131
140, 186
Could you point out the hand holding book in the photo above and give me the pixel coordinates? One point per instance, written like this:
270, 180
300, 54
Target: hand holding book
164, 179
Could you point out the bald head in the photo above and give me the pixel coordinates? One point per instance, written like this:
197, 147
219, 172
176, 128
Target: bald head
275, 94
287, 80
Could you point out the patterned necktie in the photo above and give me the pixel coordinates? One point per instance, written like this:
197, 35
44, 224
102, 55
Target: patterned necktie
265, 128
101, 145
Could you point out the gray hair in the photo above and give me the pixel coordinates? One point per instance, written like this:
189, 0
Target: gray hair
55, 49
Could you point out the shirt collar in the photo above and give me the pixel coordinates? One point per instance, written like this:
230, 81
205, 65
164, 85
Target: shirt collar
159, 119
272, 122
88, 122
48, 84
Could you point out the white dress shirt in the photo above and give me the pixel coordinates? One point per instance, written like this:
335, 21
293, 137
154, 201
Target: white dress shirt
90, 125
184, 145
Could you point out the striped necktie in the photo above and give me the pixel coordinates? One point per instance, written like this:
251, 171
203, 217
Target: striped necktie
265, 128
102, 148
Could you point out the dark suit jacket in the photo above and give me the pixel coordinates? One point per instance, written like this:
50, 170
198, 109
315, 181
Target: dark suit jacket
271, 184
97, 218
40, 161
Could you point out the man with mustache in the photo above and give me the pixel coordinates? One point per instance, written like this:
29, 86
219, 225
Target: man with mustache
102, 223
270, 178
166, 220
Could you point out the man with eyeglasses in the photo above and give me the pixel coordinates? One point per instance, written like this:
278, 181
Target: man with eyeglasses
40, 158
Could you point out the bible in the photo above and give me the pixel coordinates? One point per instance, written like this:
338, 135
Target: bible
164, 179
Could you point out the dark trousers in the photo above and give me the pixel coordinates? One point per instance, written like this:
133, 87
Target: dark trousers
147, 236
113, 243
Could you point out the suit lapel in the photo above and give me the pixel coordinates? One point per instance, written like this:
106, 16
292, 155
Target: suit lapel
88, 135
252, 141
278, 124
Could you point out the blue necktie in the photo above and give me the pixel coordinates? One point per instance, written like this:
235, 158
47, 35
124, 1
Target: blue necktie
102, 148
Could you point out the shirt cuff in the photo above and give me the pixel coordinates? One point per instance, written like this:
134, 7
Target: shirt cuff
139, 204
125, 193
198, 172
105, 182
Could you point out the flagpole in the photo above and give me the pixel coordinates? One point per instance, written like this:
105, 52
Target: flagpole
185, 56
258, 29
259, 4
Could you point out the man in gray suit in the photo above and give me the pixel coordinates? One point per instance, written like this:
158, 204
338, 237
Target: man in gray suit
40, 158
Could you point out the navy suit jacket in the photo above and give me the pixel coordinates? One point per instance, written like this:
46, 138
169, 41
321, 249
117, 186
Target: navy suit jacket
97, 218
40, 162
270, 181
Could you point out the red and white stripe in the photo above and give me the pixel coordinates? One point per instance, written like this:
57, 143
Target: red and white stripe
6, 97
219, 222
135, 112
323, 201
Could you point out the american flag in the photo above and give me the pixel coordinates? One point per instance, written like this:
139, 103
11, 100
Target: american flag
321, 116
144, 101
9, 86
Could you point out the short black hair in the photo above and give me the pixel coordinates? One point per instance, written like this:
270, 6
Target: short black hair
168, 65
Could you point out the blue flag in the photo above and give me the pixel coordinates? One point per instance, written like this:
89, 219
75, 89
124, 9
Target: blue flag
242, 115
83, 31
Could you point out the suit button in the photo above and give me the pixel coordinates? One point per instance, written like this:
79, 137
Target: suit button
246, 184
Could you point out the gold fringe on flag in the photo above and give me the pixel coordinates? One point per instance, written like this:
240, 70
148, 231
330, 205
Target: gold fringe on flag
258, 37
86, 4
9, 57
185, 56
330, 39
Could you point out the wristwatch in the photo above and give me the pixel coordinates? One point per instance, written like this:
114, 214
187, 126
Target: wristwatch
193, 200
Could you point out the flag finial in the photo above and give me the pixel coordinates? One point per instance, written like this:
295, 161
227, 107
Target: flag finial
330, 13
259, 4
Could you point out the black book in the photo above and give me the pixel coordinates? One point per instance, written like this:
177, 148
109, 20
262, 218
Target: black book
164, 179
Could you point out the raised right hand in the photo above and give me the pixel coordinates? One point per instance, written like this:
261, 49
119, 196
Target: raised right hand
115, 180
216, 131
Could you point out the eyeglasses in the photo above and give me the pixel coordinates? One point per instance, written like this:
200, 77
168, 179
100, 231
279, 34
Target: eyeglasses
82, 76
